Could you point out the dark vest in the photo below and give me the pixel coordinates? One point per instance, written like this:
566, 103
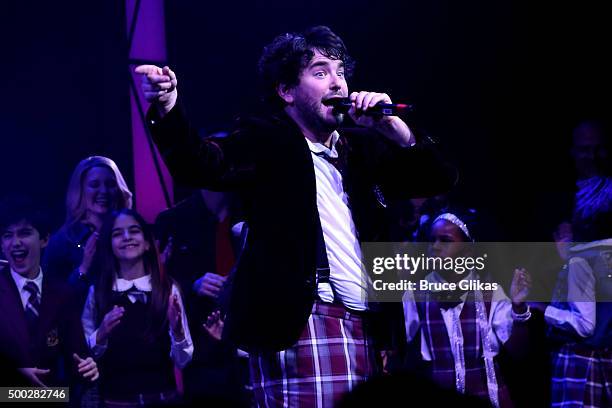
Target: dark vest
132, 364
443, 365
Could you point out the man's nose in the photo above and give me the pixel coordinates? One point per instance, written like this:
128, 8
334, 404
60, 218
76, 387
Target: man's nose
335, 82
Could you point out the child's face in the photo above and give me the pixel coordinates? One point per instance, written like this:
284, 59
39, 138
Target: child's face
128, 239
100, 190
22, 246
447, 240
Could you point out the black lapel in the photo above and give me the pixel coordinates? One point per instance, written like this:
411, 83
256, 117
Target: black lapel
12, 308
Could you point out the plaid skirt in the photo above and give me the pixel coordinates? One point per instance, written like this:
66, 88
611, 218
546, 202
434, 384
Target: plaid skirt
582, 378
332, 355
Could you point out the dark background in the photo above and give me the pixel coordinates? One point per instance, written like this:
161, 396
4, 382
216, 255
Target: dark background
499, 83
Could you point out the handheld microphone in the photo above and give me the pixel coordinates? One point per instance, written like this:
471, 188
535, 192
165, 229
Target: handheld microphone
342, 105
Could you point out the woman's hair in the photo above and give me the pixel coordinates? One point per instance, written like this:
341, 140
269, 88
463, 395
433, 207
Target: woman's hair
106, 267
76, 207
592, 219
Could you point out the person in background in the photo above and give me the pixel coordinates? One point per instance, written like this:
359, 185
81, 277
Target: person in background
580, 315
133, 318
201, 241
40, 330
95, 189
461, 332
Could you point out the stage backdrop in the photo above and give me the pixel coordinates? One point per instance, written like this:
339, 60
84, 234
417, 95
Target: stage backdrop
500, 84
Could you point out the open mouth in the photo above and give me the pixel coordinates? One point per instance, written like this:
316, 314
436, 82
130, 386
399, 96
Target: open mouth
331, 100
337, 104
19, 256
130, 246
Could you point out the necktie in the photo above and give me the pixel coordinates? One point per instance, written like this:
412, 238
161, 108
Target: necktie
33, 306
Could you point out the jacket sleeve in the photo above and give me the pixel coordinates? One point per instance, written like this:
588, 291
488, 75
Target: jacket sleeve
219, 163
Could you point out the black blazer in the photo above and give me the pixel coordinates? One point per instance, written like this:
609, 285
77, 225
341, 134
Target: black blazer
59, 332
268, 161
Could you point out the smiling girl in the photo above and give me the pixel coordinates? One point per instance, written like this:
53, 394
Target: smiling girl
133, 317
461, 331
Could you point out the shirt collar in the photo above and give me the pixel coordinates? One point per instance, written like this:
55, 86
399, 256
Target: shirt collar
318, 148
143, 284
20, 281
592, 244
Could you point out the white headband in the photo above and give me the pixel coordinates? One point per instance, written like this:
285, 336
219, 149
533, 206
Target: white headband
455, 220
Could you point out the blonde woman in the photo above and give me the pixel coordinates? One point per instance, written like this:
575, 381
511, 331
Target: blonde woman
96, 188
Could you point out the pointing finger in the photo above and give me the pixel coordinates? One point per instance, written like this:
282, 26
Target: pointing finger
147, 69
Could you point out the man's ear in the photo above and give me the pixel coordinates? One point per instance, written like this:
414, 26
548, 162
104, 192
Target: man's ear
285, 92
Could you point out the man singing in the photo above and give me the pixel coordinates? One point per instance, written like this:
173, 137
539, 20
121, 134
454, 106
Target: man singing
313, 193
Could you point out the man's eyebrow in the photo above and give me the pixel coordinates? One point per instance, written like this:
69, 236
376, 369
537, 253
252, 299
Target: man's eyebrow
320, 63
324, 63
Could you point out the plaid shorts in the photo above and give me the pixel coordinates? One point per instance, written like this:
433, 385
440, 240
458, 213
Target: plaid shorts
332, 355
582, 378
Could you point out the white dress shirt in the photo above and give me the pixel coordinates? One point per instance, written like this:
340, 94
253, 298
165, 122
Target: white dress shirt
581, 295
342, 246
180, 351
500, 319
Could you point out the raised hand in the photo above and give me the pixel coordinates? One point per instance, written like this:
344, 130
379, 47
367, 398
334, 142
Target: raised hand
33, 375
87, 367
210, 285
521, 284
88, 253
110, 321
214, 325
158, 86
391, 126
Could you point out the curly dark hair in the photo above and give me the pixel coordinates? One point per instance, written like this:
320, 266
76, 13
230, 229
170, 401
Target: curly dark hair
287, 55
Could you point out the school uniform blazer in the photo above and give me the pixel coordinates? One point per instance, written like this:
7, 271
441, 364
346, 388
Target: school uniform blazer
59, 332
267, 160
